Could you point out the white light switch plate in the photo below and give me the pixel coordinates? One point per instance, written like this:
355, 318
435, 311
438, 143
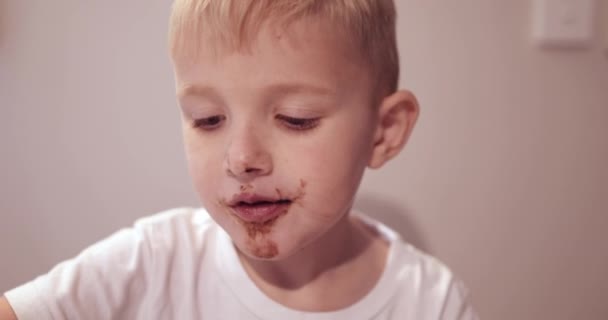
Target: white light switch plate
563, 23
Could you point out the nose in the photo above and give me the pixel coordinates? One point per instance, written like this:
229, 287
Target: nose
247, 157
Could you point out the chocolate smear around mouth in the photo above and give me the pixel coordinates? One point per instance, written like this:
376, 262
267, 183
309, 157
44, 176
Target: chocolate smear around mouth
255, 228
257, 242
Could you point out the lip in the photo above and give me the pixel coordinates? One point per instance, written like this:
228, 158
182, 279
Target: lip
258, 209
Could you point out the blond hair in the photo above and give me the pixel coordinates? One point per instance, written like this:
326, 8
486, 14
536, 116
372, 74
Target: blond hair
370, 23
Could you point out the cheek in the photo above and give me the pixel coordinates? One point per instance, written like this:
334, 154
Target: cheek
204, 164
339, 153
333, 168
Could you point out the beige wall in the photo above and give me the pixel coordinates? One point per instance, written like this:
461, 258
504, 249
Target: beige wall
505, 178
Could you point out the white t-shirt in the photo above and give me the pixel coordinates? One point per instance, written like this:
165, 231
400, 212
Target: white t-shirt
180, 264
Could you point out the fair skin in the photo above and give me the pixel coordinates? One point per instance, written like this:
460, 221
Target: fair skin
294, 119
6, 312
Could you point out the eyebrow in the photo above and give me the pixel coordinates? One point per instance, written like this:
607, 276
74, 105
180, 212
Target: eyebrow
285, 89
199, 91
273, 91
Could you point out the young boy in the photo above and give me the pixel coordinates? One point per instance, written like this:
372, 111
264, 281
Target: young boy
284, 105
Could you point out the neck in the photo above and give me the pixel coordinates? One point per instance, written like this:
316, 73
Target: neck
322, 269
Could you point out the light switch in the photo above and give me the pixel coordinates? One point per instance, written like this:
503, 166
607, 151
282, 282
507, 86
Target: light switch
563, 23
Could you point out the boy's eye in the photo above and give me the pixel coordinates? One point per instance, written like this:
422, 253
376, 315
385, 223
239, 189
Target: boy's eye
209, 123
298, 123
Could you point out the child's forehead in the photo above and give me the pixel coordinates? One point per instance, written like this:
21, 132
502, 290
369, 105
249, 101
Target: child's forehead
298, 64
270, 68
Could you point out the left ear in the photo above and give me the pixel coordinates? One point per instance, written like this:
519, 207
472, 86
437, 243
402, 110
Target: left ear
397, 116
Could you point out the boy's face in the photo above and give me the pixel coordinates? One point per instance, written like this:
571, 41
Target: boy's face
277, 137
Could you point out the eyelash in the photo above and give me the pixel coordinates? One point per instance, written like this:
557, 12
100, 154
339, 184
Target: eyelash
209, 123
297, 124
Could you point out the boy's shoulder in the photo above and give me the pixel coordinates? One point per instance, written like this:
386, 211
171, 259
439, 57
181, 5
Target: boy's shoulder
406, 254
176, 229
167, 243
175, 217
417, 277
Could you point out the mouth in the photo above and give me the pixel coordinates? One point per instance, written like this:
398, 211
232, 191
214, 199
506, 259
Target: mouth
256, 209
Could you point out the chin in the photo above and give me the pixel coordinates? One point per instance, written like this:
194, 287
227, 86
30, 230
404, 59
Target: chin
275, 246
263, 248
